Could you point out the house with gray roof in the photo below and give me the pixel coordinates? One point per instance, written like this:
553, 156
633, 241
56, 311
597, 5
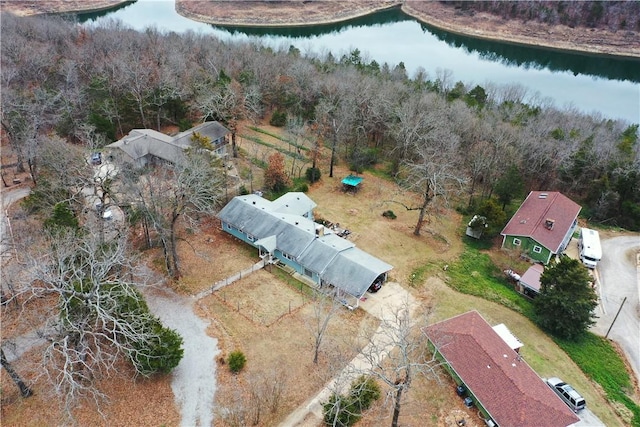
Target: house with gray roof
284, 232
146, 146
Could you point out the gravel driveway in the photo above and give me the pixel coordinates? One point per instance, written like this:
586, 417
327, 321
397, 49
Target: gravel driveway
194, 379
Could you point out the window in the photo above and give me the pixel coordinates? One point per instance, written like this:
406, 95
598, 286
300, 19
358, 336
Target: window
251, 238
289, 257
516, 242
537, 249
308, 272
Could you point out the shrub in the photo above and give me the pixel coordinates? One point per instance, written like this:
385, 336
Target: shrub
243, 190
364, 391
236, 361
279, 118
340, 411
62, 217
184, 124
302, 188
389, 214
345, 411
159, 354
313, 174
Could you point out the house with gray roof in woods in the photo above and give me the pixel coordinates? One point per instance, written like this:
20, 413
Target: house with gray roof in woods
146, 146
284, 232
543, 225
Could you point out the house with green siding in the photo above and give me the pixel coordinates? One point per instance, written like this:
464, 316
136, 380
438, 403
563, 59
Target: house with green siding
542, 227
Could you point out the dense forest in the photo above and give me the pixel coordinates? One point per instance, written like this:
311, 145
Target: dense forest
91, 85
611, 15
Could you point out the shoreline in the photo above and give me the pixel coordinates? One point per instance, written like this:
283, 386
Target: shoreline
515, 32
558, 37
47, 7
304, 14
339, 13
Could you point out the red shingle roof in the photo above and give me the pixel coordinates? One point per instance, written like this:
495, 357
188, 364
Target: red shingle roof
538, 207
512, 393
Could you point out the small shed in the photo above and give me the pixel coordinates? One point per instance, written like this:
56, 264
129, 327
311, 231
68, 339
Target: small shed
529, 283
352, 183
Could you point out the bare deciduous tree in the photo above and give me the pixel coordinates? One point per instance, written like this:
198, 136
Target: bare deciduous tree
25, 390
99, 318
430, 166
398, 353
325, 308
163, 194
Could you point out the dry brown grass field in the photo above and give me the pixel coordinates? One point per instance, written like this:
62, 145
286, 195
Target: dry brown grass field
269, 318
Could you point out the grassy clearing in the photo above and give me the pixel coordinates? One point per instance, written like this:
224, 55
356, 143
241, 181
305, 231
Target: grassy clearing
273, 135
475, 274
274, 147
600, 361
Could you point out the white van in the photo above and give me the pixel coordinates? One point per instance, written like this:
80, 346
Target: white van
589, 247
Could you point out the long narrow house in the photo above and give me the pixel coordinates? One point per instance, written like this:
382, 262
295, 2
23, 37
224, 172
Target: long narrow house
284, 232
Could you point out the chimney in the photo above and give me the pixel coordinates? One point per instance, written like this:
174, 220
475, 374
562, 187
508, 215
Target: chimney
548, 223
319, 230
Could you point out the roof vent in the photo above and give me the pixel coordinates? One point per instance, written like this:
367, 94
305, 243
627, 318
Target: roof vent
543, 195
254, 202
548, 223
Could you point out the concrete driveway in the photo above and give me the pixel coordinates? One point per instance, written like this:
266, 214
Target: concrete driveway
619, 277
382, 305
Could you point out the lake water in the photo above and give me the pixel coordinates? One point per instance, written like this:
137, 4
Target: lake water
593, 84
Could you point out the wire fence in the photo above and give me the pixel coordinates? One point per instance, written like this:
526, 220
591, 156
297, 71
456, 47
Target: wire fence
229, 280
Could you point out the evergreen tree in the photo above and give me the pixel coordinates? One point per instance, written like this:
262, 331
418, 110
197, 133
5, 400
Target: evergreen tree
566, 301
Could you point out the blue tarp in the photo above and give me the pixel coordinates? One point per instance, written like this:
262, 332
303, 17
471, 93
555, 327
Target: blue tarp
352, 180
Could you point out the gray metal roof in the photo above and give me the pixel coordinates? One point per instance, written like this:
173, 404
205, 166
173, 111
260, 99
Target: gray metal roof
296, 203
335, 259
319, 254
212, 130
293, 234
142, 142
353, 270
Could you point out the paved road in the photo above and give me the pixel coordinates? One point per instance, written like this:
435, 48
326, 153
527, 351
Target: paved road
619, 272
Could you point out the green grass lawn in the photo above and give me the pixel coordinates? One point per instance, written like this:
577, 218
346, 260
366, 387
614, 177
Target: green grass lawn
475, 274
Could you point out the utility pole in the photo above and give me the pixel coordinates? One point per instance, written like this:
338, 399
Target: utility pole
614, 319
